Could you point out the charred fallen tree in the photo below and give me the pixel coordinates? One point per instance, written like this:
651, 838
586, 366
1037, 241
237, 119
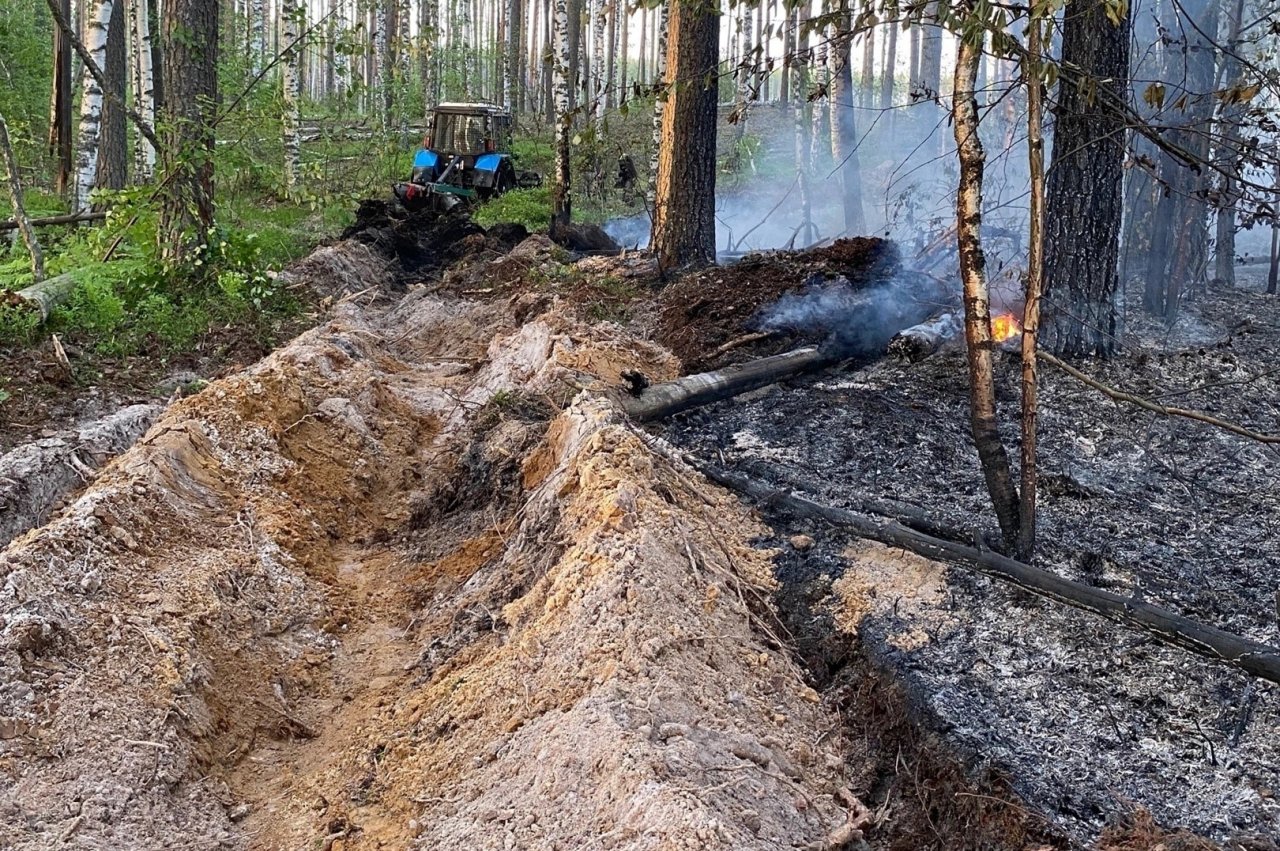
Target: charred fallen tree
1259, 660
920, 341
672, 397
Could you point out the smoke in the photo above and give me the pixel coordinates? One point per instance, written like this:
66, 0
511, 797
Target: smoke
854, 322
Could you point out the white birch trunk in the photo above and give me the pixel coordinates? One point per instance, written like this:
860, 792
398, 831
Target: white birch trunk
564, 120
144, 94
97, 26
289, 82
600, 19
257, 35
660, 103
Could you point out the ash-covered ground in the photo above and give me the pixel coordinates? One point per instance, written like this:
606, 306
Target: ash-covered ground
1088, 718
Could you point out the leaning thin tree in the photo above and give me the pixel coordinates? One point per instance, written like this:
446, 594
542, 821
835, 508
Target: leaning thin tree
977, 303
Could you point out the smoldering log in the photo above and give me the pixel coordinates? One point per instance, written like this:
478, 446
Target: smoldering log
1259, 660
672, 397
920, 341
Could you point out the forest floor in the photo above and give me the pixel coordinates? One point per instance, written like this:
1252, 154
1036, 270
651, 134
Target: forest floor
413, 580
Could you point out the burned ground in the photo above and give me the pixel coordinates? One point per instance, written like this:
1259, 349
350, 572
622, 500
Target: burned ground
1086, 718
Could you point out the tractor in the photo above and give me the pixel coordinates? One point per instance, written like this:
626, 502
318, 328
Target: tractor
466, 158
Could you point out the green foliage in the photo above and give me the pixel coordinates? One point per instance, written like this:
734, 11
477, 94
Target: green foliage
26, 61
529, 207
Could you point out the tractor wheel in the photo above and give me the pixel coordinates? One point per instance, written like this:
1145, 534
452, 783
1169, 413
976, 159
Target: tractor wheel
506, 180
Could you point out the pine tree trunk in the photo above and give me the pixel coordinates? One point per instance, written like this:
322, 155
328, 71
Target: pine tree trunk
61, 143
977, 306
845, 138
562, 195
113, 152
289, 11
931, 51
1085, 189
623, 7
189, 29
1273, 274
684, 229
97, 29
511, 68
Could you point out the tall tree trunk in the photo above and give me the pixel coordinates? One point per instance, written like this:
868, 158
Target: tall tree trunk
744, 73
890, 65
611, 69
511, 80
867, 81
1033, 74
799, 102
561, 85
600, 21
113, 154
659, 106
623, 7
189, 29
931, 51
60, 139
97, 28
977, 306
1085, 189
1273, 274
290, 11
1228, 157
144, 98
257, 36
789, 38
845, 139
684, 228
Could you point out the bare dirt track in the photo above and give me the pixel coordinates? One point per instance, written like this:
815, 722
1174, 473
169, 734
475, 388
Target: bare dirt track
386, 589
413, 581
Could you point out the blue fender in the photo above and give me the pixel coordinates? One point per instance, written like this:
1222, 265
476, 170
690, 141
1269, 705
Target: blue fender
489, 162
425, 159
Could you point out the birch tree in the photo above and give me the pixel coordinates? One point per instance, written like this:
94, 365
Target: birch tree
97, 29
292, 16
562, 194
144, 96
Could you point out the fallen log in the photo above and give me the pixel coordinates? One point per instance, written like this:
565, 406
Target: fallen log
45, 295
920, 341
1259, 660
68, 219
672, 397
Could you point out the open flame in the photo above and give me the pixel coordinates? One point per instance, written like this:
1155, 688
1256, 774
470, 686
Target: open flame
1005, 326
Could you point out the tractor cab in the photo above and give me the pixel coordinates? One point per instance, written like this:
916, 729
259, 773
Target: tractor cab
466, 156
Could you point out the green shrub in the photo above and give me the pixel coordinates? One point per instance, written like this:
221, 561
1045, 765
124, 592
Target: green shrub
529, 207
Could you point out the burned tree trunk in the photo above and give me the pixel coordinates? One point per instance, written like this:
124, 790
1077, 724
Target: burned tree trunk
977, 307
692, 391
684, 227
1085, 185
113, 157
1209, 642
